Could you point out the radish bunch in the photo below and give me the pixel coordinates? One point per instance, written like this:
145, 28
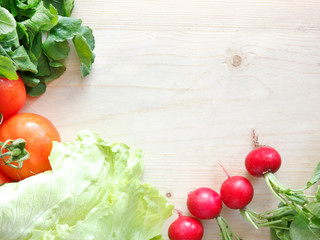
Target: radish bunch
296, 217
205, 204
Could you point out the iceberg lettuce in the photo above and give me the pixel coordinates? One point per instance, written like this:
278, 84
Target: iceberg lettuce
94, 191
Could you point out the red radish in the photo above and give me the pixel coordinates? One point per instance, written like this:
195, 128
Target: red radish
185, 228
262, 160
204, 203
236, 192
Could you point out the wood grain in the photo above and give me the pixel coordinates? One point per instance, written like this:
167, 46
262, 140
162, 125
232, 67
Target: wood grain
164, 80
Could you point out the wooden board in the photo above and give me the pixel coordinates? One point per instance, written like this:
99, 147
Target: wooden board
188, 80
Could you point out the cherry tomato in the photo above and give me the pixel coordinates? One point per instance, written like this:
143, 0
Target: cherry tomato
4, 178
39, 133
12, 96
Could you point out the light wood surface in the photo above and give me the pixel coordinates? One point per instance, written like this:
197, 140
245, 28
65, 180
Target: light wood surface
188, 80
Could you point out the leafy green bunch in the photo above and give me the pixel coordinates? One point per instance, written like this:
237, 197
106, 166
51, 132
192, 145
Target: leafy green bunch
298, 214
35, 37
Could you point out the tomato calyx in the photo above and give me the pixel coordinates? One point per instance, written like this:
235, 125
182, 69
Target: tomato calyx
16, 151
1, 118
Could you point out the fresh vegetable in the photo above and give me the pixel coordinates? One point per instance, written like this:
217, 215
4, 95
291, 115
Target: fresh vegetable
94, 191
4, 178
12, 97
35, 38
38, 134
185, 228
262, 160
205, 203
236, 192
297, 216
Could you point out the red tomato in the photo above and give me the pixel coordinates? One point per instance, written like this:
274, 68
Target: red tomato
39, 133
12, 96
4, 178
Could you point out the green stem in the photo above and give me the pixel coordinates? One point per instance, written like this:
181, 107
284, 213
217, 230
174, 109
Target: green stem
267, 178
270, 219
277, 211
225, 230
247, 216
282, 187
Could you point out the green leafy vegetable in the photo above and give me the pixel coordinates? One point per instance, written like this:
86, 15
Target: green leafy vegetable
298, 214
35, 37
7, 69
94, 191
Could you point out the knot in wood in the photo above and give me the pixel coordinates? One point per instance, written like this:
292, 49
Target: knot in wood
236, 60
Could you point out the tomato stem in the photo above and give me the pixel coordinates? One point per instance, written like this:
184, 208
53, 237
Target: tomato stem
15, 150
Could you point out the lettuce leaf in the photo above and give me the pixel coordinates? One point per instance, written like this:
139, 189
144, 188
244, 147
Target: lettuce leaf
93, 191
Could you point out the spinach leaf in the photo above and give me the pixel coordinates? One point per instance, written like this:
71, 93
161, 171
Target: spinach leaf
35, 37
7, 23
29, 80
56, 69
64, 7
24, 5
22, 60
37, 90
7, 69
66, 28
10, 40
86, 54
43, 20
56, 50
